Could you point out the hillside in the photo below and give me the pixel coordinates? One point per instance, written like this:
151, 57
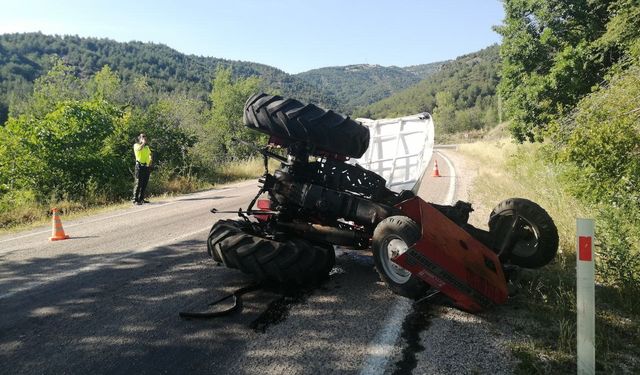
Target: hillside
465, 86
25, 57
426, 70
360, 85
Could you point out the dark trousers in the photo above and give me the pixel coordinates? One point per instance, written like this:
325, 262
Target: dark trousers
142, 177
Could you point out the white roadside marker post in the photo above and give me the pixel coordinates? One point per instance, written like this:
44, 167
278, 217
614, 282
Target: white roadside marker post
585, 285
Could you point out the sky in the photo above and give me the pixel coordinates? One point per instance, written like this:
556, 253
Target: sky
294, 36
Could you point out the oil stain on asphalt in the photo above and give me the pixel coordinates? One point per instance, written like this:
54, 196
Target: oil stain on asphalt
414, 324
278, 310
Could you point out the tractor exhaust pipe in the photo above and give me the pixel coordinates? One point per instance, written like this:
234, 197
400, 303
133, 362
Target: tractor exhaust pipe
336, 236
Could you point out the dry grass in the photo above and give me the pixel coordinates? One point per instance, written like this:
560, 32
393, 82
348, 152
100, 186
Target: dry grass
495, 133
35, 215
548, 295
242, 170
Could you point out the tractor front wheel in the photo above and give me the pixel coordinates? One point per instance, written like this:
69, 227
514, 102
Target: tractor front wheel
524, 233
392, 237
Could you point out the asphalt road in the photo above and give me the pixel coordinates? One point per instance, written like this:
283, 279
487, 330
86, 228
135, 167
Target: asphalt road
107, 300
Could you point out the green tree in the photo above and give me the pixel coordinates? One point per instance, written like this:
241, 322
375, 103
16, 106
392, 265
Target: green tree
139, 92
444, 114
106, 85
600, 143
76, 148
58, 85
62, 152
551, 57
468, 119
225, 123
169, 141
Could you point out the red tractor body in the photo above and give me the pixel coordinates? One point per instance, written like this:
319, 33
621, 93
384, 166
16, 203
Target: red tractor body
449, 259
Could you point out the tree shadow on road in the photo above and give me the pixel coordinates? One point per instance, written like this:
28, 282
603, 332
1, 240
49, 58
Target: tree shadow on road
96, 314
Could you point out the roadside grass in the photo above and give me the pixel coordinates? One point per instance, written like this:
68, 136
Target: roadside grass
38, 214
24, 211
543, 314
244, 170
497, 132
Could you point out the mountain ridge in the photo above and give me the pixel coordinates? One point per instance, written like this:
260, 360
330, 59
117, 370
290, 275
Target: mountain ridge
357, 85
347, 88
464, 89
26, 56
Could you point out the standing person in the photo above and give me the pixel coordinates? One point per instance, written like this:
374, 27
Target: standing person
143, 168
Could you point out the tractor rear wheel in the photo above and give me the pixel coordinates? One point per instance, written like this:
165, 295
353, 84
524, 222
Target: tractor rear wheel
236, 244
291, 120
392, 237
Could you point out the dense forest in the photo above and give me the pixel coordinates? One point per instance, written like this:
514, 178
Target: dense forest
25, 57
358, 85
460, 93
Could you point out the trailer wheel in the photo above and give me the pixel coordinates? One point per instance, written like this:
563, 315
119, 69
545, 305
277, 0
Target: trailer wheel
392, 237
523, 232
237, 245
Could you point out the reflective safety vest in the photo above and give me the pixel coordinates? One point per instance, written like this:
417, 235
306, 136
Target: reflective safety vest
142, 153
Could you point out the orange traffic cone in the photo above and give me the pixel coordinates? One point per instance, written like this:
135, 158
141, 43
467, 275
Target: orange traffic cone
436, 172
57, 233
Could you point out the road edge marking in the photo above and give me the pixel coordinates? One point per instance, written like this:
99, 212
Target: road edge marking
380, 349
452, 179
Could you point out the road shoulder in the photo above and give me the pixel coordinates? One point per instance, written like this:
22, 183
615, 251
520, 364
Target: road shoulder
453, 341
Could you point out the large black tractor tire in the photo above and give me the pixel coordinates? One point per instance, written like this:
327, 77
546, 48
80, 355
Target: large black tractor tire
393, 236
291, 120
535, 237
234, 243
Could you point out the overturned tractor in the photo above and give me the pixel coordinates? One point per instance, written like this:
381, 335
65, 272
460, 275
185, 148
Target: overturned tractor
316, 200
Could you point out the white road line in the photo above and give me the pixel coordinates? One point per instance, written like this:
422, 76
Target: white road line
109, 262
452, 179
381, 347
121, 214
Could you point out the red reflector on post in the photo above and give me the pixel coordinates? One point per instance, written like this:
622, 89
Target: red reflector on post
584, 245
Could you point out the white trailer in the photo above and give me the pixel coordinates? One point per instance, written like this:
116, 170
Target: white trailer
399, 150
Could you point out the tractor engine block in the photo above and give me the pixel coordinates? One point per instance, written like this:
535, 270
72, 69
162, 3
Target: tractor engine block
330, 190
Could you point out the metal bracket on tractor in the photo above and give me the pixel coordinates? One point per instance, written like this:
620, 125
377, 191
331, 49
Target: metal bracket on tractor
317, 200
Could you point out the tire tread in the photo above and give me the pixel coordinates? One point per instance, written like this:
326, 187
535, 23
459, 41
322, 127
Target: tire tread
292, 120
296, 260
